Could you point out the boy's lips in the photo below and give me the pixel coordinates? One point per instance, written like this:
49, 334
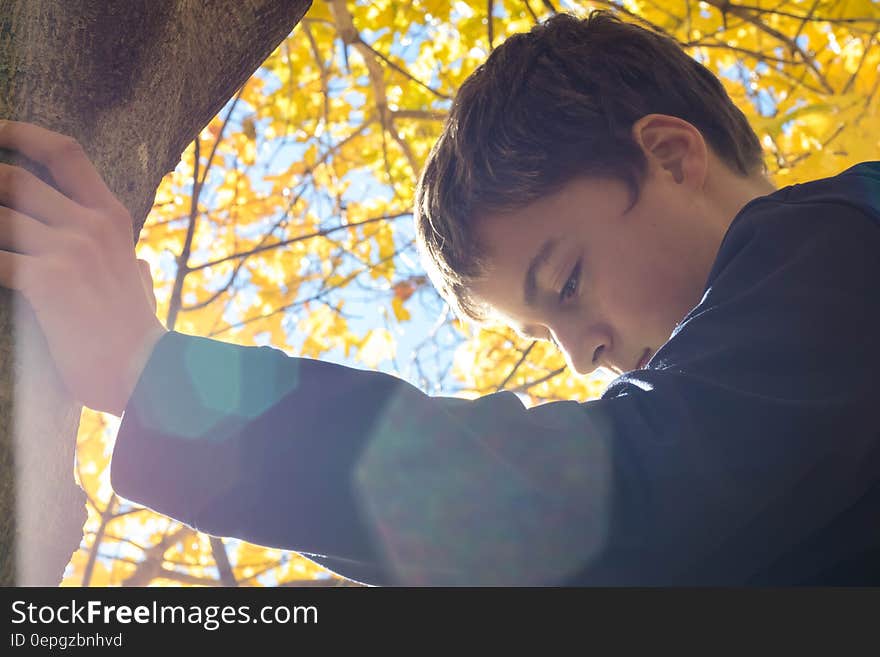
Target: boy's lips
644, 359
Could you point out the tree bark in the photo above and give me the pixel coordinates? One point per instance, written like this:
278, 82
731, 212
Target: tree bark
134, 82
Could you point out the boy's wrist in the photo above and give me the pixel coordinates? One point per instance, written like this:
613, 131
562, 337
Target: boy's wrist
138, 361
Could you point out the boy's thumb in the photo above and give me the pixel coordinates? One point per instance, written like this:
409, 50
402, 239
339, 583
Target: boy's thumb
147, 280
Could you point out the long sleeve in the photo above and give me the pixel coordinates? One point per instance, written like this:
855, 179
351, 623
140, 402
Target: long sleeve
749, 451
311, 456
249, 443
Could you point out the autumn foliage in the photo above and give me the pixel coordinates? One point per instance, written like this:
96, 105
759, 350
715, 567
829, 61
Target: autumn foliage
288, 220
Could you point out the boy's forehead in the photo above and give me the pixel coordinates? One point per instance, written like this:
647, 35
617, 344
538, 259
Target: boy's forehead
517, 231
580, 198
500, 293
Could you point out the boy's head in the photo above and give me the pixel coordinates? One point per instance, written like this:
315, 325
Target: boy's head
607, 152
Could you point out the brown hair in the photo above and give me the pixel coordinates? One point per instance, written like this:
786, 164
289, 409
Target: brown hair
550, 105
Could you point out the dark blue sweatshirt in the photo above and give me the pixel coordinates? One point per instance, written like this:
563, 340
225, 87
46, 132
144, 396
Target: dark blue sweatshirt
746, 453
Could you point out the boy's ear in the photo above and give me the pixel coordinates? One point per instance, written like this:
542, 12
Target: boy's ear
674, 145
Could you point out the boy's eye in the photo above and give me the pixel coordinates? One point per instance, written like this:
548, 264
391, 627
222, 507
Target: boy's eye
571, 284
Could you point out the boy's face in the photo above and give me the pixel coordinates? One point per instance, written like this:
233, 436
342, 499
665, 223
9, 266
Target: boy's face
611, 285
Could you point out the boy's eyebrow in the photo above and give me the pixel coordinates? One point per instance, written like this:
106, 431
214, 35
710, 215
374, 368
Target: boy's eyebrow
530, 286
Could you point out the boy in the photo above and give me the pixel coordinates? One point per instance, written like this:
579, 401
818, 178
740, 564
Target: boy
593, 186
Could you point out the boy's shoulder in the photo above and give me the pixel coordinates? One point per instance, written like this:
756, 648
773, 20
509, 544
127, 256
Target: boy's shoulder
776, 224
784, 248
857, 187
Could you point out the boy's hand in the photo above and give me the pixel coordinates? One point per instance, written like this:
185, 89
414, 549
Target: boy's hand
71, 255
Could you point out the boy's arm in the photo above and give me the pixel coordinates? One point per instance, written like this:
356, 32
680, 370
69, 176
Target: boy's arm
730, 463
361, 471
249, 443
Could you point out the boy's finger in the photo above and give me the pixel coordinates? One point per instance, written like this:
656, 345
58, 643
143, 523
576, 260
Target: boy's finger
21, 233
66, 160
23, 191
15, 270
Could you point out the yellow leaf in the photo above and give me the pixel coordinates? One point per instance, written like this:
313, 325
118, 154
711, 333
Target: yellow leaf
400, 311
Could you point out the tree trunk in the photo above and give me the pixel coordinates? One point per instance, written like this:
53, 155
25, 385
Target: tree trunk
134, 82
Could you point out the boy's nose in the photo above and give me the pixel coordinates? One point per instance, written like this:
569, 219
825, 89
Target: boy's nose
583, 351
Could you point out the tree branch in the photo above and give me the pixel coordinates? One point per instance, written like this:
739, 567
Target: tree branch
529, 384
299, 238
513, 370
218, 550
151, 566
725, 6
106, 517
316, 297
490, 24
